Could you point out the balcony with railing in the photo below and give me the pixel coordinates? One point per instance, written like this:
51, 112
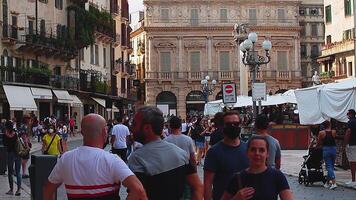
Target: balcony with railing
223, 75
37, 76
337, 47
47, 45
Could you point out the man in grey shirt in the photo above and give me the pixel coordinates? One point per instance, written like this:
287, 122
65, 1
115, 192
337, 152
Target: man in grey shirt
182, 141
274, 157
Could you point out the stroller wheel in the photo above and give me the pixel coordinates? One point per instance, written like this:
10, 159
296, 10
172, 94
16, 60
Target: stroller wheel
306, 183
300, 179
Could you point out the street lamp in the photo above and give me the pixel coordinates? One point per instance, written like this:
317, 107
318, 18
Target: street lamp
207, 88
253, 60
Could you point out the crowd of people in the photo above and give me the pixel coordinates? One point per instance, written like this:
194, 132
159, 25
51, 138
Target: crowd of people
154, 163
157, 158
18, 137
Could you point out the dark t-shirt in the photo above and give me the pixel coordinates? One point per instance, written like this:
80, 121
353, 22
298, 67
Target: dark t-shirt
216, 136
352, 126
10, 143
196, 133
224, 161
267, 184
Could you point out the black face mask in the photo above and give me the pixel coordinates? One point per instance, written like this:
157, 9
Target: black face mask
232, 131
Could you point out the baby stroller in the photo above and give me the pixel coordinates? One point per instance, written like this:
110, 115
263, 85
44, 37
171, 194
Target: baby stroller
312, 168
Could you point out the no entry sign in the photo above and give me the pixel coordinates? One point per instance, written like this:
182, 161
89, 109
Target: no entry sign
229, 93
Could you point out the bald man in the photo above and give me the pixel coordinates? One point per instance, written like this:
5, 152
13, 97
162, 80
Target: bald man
89, 172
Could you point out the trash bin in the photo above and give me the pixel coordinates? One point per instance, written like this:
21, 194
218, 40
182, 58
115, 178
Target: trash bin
40, 168
3, 156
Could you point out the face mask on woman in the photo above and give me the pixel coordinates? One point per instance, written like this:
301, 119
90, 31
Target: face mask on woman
50, 130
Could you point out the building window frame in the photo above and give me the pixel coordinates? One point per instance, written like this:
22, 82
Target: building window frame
223, 57
194, 16
58, 4
164, 14
223, 15
195, 63
328, 14
347, 8
280, 62
165, 61
252, 16
314, 30
281, 15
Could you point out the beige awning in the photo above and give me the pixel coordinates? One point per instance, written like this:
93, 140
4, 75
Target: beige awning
101, 102
41, 93
63, 96
76, 101
20, 98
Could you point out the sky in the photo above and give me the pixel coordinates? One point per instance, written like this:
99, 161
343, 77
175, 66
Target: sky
135, 5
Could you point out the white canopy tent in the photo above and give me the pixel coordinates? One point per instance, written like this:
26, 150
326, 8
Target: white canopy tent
320, 103
242, 101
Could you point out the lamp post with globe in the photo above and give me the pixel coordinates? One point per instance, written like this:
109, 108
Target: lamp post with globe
253, 60
207, 88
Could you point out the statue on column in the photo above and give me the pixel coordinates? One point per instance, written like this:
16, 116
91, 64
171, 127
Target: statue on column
316, 79
240, 32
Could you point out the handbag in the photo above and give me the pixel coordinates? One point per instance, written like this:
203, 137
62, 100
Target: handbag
46, 151
21, 148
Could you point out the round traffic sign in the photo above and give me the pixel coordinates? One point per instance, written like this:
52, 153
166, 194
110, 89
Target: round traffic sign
229, 89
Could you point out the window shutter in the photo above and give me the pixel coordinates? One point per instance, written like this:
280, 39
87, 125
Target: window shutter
223, 15
281, 15
224, 61
282, 61
194, 16
165, 61
195, 61
252, 13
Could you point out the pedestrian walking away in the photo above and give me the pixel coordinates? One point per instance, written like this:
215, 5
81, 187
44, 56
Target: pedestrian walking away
89, 172
258, 182
225, 158
350, 145
119, 137
274, 149
326, 140
162, 167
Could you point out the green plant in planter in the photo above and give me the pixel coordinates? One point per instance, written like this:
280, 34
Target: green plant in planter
100, 87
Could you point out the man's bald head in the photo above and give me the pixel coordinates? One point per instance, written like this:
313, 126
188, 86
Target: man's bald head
92, 125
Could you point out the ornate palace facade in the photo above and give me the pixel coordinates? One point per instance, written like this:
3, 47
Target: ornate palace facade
186, 41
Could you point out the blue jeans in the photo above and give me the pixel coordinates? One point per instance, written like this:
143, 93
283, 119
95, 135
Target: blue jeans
14, 159
329, 156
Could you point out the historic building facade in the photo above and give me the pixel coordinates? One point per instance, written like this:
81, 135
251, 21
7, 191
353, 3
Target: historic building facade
186, 41
338, 53
311, 14
61, 54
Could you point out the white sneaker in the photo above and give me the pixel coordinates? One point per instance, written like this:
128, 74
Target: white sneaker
351, 183
326, 185
333, 186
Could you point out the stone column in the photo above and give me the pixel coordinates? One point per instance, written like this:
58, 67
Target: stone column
150, 49
180, 67
243, 73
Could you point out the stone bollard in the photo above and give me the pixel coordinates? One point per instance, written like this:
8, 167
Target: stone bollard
40, 168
